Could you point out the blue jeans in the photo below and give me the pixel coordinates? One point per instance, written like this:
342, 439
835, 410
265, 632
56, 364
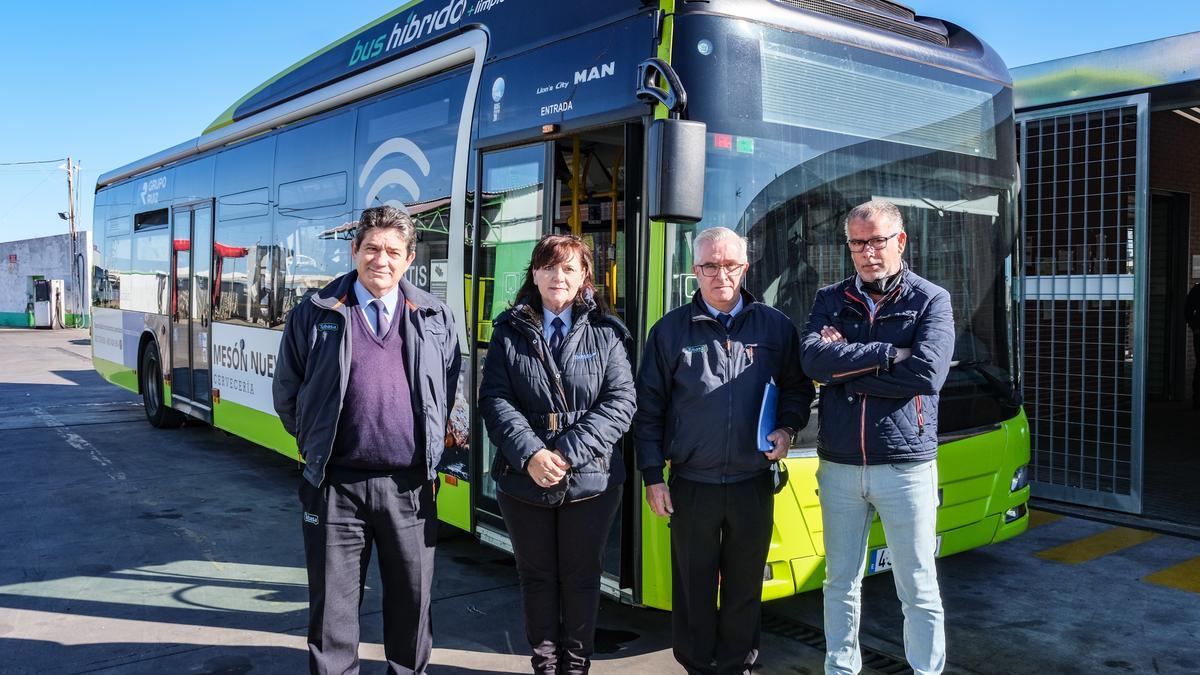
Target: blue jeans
905, 495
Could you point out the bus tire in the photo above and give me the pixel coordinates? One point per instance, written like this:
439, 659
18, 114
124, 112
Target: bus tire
157, 412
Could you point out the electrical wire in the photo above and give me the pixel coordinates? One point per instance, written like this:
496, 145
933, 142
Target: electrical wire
39, 161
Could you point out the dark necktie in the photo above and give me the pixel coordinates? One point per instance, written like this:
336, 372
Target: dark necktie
556, 338
725, 319
381, 320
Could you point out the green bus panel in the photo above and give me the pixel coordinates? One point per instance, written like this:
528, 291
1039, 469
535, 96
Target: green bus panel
975, 479
255, 426
116, 373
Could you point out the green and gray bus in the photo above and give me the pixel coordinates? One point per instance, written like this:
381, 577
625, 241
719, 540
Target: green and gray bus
493, 122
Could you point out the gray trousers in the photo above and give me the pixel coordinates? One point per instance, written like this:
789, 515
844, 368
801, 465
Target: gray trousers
343, 519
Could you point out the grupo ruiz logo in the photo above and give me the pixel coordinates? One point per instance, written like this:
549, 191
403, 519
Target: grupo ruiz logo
237, 357
394, 176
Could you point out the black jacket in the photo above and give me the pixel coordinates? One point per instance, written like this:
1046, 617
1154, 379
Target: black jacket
580, 407
700, 391
312, 370
871, 411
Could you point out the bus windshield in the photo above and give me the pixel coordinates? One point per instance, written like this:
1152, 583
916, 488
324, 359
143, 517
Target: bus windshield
793, 152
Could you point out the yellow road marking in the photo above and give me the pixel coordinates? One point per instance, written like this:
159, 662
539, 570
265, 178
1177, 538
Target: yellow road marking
1185, 576
1037, 517
1096, 546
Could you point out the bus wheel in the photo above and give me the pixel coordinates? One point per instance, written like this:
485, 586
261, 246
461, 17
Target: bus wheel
157, 412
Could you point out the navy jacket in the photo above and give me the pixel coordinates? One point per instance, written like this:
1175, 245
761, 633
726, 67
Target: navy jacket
873, 411
700, 390
313, 368
580, 407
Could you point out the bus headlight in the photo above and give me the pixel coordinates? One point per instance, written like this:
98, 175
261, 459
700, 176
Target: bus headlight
1020, 478
1014, 514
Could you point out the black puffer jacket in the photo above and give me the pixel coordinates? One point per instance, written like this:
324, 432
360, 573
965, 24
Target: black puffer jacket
590, 392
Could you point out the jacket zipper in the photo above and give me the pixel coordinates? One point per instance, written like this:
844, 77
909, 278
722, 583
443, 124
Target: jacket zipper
729, 412
862, 424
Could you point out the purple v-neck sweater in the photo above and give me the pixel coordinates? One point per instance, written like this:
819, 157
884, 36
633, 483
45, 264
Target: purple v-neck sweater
376, 427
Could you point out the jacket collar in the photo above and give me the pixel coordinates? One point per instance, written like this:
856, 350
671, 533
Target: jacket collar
700, 308
524, 313
336, 294
852, 294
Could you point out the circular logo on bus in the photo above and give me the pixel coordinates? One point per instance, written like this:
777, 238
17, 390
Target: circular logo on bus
498, 89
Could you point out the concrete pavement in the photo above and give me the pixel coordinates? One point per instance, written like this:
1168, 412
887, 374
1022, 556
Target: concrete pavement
129, 549
136, 550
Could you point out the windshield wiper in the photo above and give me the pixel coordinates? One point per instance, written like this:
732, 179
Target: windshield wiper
1007, 392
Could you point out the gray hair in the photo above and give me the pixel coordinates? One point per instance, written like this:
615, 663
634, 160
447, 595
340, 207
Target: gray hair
387, 217
714, 234
876, 208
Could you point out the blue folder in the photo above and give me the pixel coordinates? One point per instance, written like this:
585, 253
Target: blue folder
766, 416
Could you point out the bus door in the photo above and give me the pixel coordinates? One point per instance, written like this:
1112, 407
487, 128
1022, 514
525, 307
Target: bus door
191, 238
594, 174
578, 184
511, 217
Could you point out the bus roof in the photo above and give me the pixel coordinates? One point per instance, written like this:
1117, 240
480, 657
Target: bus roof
1165, 62
511, 25
878, 25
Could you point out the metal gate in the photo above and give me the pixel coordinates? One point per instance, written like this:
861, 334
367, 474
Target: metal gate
1084, 216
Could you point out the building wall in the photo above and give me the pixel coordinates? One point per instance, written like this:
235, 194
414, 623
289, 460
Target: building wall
48, 258
1174, 145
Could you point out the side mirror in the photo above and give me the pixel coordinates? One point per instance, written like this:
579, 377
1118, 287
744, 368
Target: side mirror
675, 170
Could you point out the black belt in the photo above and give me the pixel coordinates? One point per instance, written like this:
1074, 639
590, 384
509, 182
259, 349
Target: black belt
555, 421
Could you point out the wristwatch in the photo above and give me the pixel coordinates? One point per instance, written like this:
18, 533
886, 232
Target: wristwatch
791, 434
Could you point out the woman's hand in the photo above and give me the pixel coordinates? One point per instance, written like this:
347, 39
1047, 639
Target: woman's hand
547, 467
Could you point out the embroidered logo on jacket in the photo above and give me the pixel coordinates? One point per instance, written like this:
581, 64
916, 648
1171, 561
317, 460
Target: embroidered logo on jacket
696, 349
328, 326
311, 518
585, 357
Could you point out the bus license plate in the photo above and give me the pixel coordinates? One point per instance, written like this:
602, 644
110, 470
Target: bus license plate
880, 559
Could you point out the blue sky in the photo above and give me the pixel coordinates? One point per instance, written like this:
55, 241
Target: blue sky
110, 82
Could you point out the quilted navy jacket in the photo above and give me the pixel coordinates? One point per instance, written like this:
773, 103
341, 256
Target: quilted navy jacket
874, 411
580, 406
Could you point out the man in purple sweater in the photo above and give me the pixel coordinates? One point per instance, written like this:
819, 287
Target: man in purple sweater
366, 370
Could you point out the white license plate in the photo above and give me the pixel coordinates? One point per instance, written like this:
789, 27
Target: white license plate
880, 559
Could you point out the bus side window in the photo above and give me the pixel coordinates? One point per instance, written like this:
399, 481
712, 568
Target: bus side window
313, 216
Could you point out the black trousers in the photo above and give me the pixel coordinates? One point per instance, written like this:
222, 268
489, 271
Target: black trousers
720, 535
343, 519
560, 554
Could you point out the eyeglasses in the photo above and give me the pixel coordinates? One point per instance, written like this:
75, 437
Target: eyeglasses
712, 269
877, 243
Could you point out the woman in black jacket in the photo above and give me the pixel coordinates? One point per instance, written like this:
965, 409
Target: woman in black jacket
557, 394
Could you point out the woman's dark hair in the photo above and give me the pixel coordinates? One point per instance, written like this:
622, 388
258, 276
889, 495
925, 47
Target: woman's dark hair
551, 250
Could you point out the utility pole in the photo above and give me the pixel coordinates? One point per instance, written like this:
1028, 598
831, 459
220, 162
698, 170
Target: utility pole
77, 282
71, 198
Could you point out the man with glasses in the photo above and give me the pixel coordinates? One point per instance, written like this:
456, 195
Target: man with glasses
700, 390
880, 342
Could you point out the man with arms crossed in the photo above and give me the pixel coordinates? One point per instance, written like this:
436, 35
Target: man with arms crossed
365, 379
700, 388
880, 342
